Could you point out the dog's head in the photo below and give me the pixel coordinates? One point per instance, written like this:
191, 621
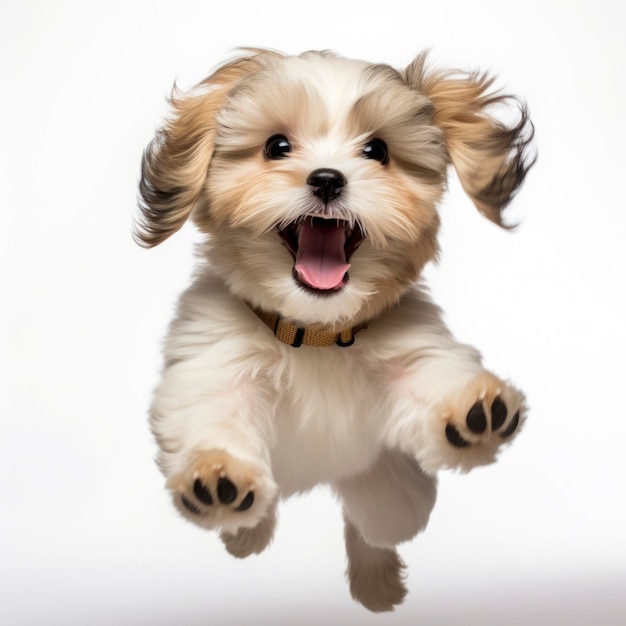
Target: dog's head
317, 177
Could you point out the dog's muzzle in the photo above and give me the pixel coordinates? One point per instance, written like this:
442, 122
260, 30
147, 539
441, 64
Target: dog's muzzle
322, 242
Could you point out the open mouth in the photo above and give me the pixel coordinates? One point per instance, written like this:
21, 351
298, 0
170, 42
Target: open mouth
321, 249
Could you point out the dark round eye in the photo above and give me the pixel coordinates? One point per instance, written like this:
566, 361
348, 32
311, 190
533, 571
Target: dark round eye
376, 149
277, 147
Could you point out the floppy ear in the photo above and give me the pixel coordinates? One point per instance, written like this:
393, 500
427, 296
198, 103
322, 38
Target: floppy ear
490, 157
175, 164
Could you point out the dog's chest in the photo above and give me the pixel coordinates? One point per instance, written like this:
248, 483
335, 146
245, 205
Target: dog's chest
328, 418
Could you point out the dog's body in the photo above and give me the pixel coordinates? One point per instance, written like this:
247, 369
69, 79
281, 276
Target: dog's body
316, 179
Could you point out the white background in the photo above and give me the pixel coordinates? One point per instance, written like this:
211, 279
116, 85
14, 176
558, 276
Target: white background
87, 533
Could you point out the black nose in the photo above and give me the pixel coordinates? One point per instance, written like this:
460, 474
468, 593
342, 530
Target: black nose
326, 183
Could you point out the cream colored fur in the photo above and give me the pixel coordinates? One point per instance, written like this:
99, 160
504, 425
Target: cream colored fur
242, 419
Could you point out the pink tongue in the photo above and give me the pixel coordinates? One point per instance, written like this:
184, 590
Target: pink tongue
321, 259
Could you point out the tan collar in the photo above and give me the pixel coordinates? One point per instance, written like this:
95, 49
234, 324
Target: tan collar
296, 336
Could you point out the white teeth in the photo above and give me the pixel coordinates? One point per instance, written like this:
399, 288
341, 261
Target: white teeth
296, 226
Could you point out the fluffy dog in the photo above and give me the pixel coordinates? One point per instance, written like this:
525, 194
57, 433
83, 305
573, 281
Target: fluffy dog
305, 351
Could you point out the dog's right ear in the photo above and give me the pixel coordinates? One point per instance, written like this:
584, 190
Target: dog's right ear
175, 164
490, 157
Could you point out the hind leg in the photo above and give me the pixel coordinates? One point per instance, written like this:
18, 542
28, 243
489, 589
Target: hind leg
383, 506
375, 575
391, 501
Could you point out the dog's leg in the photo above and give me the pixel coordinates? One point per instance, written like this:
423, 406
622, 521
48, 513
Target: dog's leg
213, 429
391, 501
383, 506
455, 415
375, 575
447, 409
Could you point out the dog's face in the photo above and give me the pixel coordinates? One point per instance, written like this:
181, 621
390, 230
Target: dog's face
317, 177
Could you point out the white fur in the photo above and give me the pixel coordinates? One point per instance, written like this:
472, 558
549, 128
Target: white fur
235, 404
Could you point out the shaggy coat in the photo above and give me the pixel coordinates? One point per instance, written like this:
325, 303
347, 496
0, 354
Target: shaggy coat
316, 180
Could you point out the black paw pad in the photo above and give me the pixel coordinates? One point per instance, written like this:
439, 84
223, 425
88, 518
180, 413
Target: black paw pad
454, 437
512, 427
201, 492
498, 414
246, 503
476, 419
190, 506
226, 491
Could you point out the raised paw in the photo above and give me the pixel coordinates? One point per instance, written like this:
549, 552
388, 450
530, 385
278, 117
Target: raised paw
476, 421
217, 490
480, 419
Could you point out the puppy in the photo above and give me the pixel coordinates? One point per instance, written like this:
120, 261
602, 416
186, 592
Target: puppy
305, 350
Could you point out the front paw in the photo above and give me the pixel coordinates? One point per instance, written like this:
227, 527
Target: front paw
217, 490
471, 426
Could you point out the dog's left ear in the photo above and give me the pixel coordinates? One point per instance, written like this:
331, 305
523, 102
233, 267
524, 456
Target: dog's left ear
490, 157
